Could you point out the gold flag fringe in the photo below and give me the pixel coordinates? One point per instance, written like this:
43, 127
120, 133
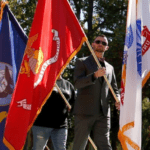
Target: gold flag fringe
124, 139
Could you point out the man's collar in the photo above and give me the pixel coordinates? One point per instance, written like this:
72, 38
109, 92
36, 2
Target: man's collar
101, 59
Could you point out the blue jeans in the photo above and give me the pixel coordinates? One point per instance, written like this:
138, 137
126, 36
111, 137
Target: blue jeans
42, 134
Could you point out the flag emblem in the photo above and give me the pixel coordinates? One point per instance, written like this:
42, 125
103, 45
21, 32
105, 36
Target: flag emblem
6, 84
129, 37
33, 58
146, 44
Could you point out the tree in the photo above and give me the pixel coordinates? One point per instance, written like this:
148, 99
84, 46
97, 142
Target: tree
77, 5
146, 124
24, 12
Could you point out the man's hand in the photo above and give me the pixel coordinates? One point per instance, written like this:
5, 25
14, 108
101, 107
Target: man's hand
117, 104
100, 72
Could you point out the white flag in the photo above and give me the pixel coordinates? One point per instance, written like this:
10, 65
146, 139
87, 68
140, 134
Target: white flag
130, 110
145, 35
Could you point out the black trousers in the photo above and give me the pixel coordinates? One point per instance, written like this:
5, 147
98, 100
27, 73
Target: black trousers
100, 125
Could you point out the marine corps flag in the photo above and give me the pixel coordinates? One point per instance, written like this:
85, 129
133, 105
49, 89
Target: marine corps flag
54, 39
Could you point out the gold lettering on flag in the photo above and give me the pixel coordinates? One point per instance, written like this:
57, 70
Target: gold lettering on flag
35, 58
124, 139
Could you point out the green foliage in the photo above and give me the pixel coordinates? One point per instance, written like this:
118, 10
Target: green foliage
24, 11
146, 124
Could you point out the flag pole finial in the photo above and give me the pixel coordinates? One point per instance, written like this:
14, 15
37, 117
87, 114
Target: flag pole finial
2, 6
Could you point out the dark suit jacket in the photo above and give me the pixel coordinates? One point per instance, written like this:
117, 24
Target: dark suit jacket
92, 92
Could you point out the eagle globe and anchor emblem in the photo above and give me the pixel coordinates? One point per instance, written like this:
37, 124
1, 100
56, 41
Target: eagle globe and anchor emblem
6, 87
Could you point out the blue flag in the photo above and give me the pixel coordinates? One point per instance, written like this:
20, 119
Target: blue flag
12, 45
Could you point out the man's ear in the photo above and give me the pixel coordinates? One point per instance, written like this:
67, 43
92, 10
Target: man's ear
107, 48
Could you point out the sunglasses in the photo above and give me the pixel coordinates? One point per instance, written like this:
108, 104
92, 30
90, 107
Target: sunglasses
98, 42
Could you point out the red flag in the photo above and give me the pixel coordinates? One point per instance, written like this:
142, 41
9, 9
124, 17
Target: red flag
55, 38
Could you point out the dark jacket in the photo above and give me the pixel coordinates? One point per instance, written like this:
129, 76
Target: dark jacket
54, 113
92, 93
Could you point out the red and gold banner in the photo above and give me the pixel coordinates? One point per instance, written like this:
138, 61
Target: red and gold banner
54, 39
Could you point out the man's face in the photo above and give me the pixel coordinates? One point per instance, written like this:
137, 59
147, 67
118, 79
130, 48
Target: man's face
100, 44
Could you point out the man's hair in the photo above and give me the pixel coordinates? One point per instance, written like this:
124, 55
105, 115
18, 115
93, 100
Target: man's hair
101, 35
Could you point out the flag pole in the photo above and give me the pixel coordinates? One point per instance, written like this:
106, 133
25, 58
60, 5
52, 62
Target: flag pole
69, 106
96, 59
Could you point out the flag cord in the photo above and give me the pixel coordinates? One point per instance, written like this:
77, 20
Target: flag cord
96, 59
69, 106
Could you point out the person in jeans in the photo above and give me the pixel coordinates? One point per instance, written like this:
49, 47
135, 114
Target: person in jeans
52, 121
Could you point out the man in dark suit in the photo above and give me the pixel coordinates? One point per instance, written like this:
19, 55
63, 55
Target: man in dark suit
92, 108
